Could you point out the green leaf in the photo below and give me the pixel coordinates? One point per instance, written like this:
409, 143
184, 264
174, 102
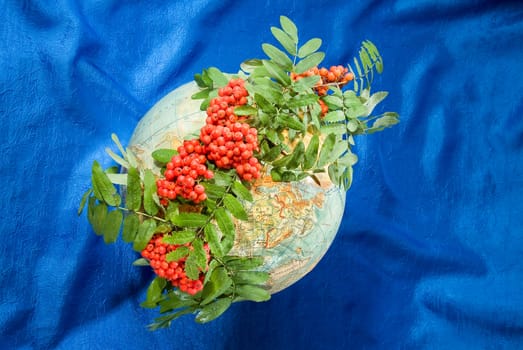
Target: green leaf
102, 186
311, 153
144, 235
241, 191
218, 283
112, 224
226, 226
308, 62
175, 300
202, 94
290, 28
333, 102
163, 155
117, 158
222, 178
191, 267
285, 40
302, 100
245, 110
213, 191
84, 200
306, 83
141, 262
252, 293
134, 190
211, 236
149, 189
190, 220
211, 311
388, 119
250, 277
243, 263
179, 237
276, 72
264, 104
165, 321
199, 253
326, 149
217, 77
235, 207
282, 162
309, 47
297, 156
117, 179
276, 175
334, 116
177, 254
154, 292
278, 56
118, 144
98, 217
290, 121
374, 100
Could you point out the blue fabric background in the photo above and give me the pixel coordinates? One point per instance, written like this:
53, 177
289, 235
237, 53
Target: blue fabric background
429, 255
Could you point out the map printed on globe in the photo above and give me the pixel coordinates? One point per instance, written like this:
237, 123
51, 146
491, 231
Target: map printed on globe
291, 224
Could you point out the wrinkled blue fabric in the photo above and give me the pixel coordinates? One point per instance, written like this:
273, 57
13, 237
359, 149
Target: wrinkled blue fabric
429, 254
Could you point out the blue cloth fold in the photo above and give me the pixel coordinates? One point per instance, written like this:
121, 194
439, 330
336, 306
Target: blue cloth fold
429, 252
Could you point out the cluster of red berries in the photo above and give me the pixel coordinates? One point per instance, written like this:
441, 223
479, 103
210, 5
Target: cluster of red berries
334, 75
228, 142
183, 172
173, 271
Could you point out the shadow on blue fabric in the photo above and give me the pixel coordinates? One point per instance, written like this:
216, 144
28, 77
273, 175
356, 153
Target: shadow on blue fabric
429, 252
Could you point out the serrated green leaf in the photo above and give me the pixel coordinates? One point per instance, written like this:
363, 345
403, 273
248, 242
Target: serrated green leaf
179, 237
84, 200
172, 211
297, 156
374, 100
245, 110
191, 267
211, 236
309, 47
219, 79
278, 56
243, 263
282, 162
154, 292
149, 183
235, 207
117, 179
276, 72
289, 27
302, 100
202, 94
199, 81
250, 277
285, 40
177, 254
334, 128
249, 65
218, 283
175, 300
111, 226
134, 190
141, 262
290, 121
222, 179
165, 321
200, 254
163, 228
276, 174
311, 153
241, 191
213, 191
163, 155
213, 310
305, 84
253, 293
144, 235
326, 149
309, 62
98, 218
264, 104
102, 186
225, 224
289, 176
334, 116
333, 102
388, 119
190, 220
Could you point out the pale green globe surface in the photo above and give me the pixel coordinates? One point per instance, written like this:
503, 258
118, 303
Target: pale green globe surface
291, 225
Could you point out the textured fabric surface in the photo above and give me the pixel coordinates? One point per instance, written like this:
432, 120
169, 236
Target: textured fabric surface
429, 255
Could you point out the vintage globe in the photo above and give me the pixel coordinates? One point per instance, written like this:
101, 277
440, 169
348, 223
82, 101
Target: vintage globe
291, 225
